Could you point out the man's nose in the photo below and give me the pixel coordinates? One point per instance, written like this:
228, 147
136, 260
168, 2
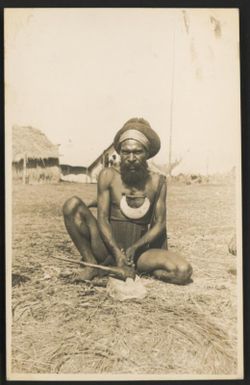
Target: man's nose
131, 157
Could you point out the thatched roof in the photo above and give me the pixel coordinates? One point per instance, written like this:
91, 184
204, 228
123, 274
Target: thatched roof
33, 143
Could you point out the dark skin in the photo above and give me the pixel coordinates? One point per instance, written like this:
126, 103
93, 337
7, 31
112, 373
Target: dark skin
94, 239
111, 187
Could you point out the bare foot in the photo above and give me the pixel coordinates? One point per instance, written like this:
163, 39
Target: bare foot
171, 277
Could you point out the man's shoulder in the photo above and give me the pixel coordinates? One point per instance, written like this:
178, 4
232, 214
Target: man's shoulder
107, 175
158, 178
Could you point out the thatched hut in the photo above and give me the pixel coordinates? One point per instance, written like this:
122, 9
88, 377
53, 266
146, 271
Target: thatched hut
34, 158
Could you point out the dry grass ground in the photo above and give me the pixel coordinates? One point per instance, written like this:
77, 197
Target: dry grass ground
60, 327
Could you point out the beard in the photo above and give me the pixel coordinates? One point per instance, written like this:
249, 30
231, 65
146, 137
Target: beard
137, 177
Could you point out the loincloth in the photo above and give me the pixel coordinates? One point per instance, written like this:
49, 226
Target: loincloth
126, 233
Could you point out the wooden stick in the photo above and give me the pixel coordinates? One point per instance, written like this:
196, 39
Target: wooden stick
121, 273
113, 270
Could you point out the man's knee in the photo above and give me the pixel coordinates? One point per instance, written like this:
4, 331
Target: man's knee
71, 205
184, 272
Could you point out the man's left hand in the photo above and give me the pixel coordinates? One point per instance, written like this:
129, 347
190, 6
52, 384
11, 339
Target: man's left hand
130, 253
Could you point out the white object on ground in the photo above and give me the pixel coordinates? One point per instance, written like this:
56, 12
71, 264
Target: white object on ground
129, 289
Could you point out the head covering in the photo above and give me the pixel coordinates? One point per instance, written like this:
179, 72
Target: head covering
138, 129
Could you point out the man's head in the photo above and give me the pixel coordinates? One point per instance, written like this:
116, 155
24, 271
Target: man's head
140, 130
136, 142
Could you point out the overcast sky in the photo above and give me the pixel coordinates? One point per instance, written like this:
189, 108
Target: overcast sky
79, 74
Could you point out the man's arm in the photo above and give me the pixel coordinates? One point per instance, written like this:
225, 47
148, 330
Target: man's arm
158, 227
103, 200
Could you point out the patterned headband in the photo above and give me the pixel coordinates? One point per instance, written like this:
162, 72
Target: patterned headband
136, 135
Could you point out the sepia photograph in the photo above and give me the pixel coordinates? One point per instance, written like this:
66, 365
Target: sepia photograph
123, 194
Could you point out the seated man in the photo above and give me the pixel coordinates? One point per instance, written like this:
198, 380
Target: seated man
130, 229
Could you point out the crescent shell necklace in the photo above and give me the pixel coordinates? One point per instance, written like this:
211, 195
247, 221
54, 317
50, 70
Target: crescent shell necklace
134, 212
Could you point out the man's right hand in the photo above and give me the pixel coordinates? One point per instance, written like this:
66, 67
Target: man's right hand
121, 259
124, 266
126, 272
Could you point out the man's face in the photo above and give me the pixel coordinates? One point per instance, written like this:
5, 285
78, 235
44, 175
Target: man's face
133, 162
132, 153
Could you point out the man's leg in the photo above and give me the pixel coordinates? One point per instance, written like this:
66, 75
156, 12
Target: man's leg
83, 230
165, 265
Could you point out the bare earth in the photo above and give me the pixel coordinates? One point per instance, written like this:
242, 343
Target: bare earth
60, 327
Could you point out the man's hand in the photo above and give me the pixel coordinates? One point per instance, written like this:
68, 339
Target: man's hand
121, 259
125, 269
130, 253
126, 272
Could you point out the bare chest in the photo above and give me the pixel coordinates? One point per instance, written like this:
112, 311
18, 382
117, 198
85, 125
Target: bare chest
135, 196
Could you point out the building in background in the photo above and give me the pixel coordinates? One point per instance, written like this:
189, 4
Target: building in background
82, 174
108, 158
34, 158
74, 173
